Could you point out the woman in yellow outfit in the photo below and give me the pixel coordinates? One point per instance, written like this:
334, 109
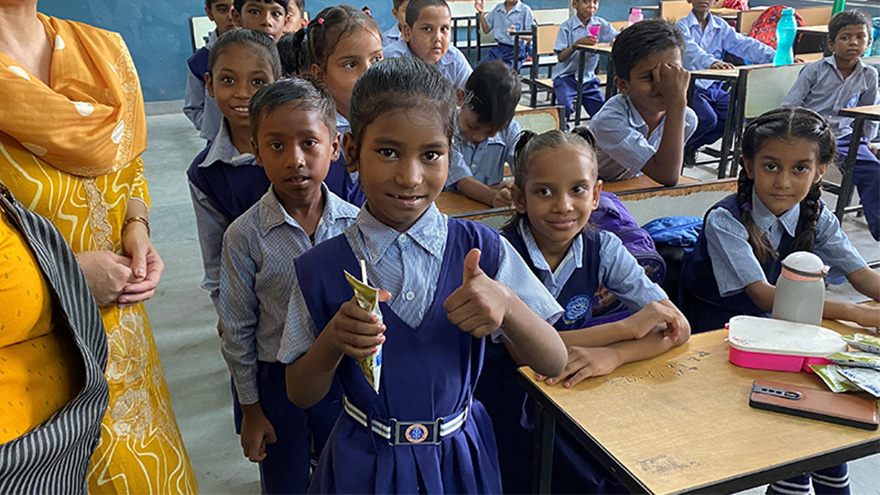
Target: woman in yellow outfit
71, 134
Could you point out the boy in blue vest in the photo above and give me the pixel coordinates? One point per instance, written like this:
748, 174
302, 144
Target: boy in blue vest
576, 31
198, 106
399, 13
426, 36
512, 15
709, 39
842, 80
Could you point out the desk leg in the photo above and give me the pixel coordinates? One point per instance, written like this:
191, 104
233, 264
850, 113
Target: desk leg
545, 433
578, 98
844, 196
729, 130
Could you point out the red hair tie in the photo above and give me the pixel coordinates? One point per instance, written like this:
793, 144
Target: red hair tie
320, 21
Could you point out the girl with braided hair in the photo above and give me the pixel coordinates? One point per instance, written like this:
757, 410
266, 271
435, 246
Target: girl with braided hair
734, 267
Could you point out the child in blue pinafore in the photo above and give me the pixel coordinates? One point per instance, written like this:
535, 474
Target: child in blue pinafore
776, 211
342, 42
556, 190
446, 284
295, 139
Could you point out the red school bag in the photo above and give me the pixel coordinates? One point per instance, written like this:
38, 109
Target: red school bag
764, 29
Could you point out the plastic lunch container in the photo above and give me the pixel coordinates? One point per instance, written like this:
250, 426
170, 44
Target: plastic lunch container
779, 345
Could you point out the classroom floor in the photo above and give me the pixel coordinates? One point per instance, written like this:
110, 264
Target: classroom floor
184, 321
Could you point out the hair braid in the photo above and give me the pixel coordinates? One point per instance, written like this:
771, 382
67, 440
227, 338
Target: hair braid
757, 238
809, 217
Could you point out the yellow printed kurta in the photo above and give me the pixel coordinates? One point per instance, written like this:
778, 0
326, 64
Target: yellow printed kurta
141, 450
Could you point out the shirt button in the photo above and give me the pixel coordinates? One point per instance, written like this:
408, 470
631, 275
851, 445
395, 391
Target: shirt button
410, 296
402, 238
474, 167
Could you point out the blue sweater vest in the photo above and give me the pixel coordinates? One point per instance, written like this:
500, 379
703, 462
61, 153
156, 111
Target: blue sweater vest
701, 302
232, 190
198, 63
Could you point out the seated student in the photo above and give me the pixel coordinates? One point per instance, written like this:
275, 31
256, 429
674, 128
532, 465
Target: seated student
394, 33
293, 129
776, 210
643, 129
576, 31
453, 282
426, 36
842, 80
486, 134
268, 16
224, 179
709, 39
556, 191
198, 106
510, 15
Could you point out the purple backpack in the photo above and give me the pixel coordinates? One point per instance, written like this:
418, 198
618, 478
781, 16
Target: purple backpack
612, 215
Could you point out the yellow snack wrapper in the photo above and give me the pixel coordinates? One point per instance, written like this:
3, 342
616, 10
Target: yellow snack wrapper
368, 298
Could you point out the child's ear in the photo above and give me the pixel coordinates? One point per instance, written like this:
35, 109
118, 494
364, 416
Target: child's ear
350, 148
335, 147
459, 96
519, 199
317, 72
406, 33
597, 192
209, 84
256, 149
748, 165
236, 17
622, 84
209, 14
820, 172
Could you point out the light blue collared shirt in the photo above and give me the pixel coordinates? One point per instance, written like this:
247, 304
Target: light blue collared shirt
569, 32
734, 262
483, 161
500, 20
258, 252
210, 222
407, 264
821, 87
619, 272
454, 65
391, 36
622, 139
705, 47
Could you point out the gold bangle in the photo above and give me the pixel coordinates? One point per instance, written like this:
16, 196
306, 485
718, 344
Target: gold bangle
136, 219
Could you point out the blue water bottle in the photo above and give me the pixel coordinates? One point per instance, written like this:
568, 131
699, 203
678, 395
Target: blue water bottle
786, 28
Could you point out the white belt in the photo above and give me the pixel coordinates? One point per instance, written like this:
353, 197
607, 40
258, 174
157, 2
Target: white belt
397, 432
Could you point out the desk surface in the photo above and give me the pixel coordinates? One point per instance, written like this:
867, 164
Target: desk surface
682, 421
871, 112
597, 48
734, 73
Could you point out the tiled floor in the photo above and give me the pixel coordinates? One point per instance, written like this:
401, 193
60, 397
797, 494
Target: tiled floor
184, 321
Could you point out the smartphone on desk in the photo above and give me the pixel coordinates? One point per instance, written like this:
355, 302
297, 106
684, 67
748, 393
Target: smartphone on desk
847, 410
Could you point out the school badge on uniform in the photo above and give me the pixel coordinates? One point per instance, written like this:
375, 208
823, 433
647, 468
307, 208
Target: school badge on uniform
576, 308
852, 102
416, 433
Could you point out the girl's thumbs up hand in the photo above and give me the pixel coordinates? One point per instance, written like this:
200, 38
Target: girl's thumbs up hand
480, 304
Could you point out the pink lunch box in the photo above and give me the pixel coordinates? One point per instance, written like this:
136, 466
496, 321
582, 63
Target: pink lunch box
768, 344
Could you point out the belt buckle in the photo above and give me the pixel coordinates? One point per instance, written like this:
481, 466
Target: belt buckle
415, 432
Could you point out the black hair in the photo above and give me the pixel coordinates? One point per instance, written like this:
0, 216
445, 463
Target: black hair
414, 8
784, 123
848, 18
331, 25
300, 5
238, 4
294, 59
530, 143
397, 3
310, 97
492, 91
257, 41
209, 3
398, 85
642, 39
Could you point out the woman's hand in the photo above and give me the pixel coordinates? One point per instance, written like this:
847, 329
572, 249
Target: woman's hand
107, 274
146, 265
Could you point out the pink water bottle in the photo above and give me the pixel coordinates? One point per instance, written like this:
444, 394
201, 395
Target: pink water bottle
635, 15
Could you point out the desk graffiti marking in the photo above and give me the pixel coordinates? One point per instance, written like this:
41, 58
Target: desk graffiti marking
675, 367
663, 464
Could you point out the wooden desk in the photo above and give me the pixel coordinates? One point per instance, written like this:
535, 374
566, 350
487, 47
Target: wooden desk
859, 116
681, 422
581, 51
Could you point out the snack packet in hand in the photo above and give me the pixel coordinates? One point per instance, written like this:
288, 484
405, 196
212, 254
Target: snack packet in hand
368, 299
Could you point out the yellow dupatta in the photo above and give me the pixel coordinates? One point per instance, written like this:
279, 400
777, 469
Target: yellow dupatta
91, 121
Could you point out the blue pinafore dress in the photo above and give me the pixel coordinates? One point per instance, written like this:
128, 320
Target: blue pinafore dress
428, 372
508, 405
701, 302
